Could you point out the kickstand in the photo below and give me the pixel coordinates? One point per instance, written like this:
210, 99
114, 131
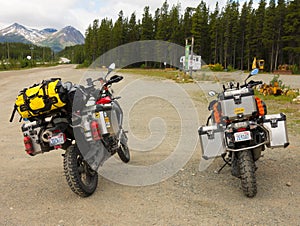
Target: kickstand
226, 163
219, 170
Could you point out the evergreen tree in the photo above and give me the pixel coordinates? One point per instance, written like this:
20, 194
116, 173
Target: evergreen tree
147, 27
250, 36
118, 31
279, 20
242, 26
200, 31
214, 32
258, 32
235, 33
155, 22
75, 53
292, 33
187, 22
269, 34
228, 36
87, 44
163, 26
230, 19
105, 36
16, 54
133, 29
176, 35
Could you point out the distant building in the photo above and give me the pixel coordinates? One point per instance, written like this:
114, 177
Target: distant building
64, 60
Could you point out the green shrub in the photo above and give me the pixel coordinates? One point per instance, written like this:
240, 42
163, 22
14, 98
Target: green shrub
279, 81
295, 69
2, 66
216, 67
24, 63
230, 68
85, 64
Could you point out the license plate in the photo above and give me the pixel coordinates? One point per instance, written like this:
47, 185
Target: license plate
57, 139
242, 136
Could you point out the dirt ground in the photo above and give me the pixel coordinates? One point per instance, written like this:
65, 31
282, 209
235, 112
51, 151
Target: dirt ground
34, 190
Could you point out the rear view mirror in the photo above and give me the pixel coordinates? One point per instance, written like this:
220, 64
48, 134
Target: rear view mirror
114, 79
211, 93
254, 72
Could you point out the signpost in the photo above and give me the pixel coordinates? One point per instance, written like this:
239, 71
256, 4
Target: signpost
187, 53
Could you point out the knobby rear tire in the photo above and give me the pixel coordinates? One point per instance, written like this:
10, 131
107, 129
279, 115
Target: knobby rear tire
247, 173
81, 178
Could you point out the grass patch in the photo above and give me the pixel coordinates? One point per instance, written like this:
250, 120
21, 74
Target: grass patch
175, 75
284, 104
279, 98
288, 110
19, 67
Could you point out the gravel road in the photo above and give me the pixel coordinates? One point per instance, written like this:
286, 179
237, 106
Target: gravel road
35, 192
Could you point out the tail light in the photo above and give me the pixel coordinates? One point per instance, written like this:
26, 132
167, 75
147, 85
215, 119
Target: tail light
104, 100
241, 129
28, 145
95, 130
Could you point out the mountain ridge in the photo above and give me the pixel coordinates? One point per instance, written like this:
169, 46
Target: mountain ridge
49, 37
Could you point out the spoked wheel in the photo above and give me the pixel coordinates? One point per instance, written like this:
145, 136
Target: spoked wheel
124, 154
247, 173
81, 178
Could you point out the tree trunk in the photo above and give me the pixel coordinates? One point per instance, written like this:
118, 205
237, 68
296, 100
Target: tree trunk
277, 49
242, 53
276, 55
248, 61
225, 58
234, 53
271, 63
216, 52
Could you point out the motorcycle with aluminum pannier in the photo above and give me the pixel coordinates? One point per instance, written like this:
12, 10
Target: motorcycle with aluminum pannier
83, 120
239, 129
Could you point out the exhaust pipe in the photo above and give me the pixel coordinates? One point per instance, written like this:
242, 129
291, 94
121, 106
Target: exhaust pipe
46, 136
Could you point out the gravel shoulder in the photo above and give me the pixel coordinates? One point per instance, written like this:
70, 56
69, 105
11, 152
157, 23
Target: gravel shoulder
34, 190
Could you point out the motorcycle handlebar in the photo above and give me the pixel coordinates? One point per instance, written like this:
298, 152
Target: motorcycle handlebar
252, 84
113, 79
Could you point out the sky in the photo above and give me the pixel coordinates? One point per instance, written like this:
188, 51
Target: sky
80, 13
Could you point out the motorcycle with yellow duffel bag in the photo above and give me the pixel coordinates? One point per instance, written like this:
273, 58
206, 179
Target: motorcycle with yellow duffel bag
83, 120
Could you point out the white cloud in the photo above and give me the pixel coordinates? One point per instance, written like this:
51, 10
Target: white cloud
78, 13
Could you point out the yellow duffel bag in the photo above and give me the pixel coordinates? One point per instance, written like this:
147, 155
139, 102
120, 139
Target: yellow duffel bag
41, 99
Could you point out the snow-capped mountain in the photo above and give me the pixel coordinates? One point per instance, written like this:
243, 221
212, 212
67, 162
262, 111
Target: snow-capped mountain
67, 36
48, 31
49, 37
32, 35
